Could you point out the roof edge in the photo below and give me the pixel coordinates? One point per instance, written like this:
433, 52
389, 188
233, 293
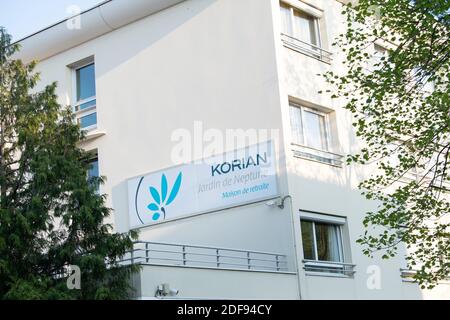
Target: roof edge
101, 19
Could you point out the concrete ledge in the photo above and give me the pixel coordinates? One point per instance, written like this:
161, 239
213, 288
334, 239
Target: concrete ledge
204, 283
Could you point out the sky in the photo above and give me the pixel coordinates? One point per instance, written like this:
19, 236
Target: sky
24, 17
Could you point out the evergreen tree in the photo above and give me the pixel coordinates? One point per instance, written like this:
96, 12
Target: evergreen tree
51, 216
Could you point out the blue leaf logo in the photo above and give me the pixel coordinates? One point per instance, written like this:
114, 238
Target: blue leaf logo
160, 199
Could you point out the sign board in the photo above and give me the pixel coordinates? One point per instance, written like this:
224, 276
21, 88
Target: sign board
235, 178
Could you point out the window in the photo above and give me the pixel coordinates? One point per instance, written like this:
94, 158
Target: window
93, 168
93, 171
85, 96
323, 245
299, 25
309, 127
322, 241
300, 31
311, 135
422, 80
380, 54
380, 51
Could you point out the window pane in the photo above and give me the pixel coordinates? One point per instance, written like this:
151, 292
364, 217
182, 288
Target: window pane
328, 242
379, 53
86, 105
315, 131
88, 121
308, 240
86, 82
305, 27
296, 125
93, 170
286, 23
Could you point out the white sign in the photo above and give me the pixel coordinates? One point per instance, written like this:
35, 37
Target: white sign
235, 178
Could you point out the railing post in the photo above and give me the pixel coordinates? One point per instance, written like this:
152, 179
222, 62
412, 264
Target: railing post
146, 253
218, 258
278, 262
132, 255
184, 255
249, 260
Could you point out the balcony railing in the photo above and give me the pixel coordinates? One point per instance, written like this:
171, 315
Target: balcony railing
86, 113
306, 48
426, 180
330, 268
170, 254
322, 156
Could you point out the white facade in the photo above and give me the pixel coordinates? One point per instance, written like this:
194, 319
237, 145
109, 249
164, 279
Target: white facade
162, 66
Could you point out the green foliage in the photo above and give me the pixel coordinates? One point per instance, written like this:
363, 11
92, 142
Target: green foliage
50, 215
404, 124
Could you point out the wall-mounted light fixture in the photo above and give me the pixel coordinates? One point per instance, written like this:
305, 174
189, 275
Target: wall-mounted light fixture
282, 200
164, 290
279, 202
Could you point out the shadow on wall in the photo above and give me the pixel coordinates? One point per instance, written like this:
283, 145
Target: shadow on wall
375, 278
334, 190
127, 45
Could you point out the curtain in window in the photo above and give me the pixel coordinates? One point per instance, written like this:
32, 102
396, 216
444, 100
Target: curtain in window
286, 25
308, 240
328, 240
296, 125
316, 136
305, 28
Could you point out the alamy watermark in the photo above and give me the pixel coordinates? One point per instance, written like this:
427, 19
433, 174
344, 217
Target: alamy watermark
374, 277
74, 279
74, 22
198, 144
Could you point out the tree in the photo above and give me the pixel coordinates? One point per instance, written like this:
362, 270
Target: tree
51, 216
400, 104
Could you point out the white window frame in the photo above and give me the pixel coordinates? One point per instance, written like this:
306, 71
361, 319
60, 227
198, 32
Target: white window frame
327, 125
89, 110
291, 41
315, 267
339, 240
293, 30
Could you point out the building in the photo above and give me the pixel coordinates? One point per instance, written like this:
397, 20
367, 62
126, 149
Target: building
149, 77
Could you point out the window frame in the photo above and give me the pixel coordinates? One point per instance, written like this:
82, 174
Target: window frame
380, 54
290, 41
90, 110
93, 157
319, 113
293, 27
340, 240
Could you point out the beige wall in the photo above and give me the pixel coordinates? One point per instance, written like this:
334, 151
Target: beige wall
217, 284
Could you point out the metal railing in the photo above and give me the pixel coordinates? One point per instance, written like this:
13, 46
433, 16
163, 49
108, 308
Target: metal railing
171, 254
306, 48
426, 180
407, 275
322, 156
84, 109
333, 268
